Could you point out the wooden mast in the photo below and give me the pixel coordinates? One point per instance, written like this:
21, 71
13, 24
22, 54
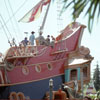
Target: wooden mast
44, 19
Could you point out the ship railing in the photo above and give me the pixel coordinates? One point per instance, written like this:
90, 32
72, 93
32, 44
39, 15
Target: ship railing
28, 51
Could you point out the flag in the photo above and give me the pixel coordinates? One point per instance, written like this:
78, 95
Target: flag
35, 12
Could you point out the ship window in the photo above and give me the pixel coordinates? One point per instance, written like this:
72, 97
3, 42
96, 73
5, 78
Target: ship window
25, 70
38, 68
49, 66
73, 74
85, 72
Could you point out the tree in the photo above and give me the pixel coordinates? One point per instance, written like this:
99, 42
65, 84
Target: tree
96, 78
93, 9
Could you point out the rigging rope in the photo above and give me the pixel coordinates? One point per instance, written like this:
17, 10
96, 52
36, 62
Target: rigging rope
14, 18
4, 31
13, 14
9, 16
6, 26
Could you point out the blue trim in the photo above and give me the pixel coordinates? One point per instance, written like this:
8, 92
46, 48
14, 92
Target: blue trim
78, 73
34, 90
67, 75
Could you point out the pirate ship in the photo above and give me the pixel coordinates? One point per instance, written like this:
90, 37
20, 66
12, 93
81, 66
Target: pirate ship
25, 74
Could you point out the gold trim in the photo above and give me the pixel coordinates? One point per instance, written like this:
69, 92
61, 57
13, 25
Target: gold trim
13, 94
59, 51
44, 62
21, 95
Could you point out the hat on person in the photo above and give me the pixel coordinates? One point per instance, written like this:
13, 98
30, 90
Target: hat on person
25, 37
32, 32
48, 35
40, 33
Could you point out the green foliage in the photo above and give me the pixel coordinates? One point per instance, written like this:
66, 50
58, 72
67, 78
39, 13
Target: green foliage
98, 94
96, 78
78, 6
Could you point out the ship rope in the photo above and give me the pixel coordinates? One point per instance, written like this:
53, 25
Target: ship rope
14, 14
6, 26
4, 31
4, 76
1, 77
9, 66
15, 20
59, 18
11, 19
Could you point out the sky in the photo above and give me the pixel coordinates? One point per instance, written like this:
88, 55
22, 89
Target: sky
13, 28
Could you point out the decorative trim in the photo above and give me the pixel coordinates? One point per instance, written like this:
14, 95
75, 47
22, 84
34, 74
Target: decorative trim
30, 81
45, 62
13, 96
21, 96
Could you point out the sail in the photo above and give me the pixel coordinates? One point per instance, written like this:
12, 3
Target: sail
35, 12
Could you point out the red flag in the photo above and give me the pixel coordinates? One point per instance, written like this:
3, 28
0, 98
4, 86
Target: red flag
35, 12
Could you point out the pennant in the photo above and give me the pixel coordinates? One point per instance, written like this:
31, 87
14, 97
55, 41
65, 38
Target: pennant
35, 12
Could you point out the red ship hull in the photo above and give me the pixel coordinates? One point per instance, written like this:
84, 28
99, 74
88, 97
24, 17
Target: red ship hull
47, 62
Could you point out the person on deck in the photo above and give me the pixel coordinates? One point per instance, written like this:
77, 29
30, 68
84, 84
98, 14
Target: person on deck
25, 42
32, 38
48, 40
52, 42
23, 50
41, 39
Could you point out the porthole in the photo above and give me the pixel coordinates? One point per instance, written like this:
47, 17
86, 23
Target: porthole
49, 66
25, 70
38, 68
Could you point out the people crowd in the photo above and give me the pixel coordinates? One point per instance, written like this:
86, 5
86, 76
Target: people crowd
40, 40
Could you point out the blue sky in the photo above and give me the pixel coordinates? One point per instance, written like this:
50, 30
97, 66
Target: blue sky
21, 7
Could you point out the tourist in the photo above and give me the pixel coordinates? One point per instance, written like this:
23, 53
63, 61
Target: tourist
52, 42
48, 40
41, 39
32, 38
25, 41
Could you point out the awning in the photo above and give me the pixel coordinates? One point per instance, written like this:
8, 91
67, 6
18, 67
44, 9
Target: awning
76, 61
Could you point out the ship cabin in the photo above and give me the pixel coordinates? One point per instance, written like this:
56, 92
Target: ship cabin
78, 69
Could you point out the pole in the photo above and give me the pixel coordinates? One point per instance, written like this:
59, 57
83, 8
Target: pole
44, 19
82, 82
51, 89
